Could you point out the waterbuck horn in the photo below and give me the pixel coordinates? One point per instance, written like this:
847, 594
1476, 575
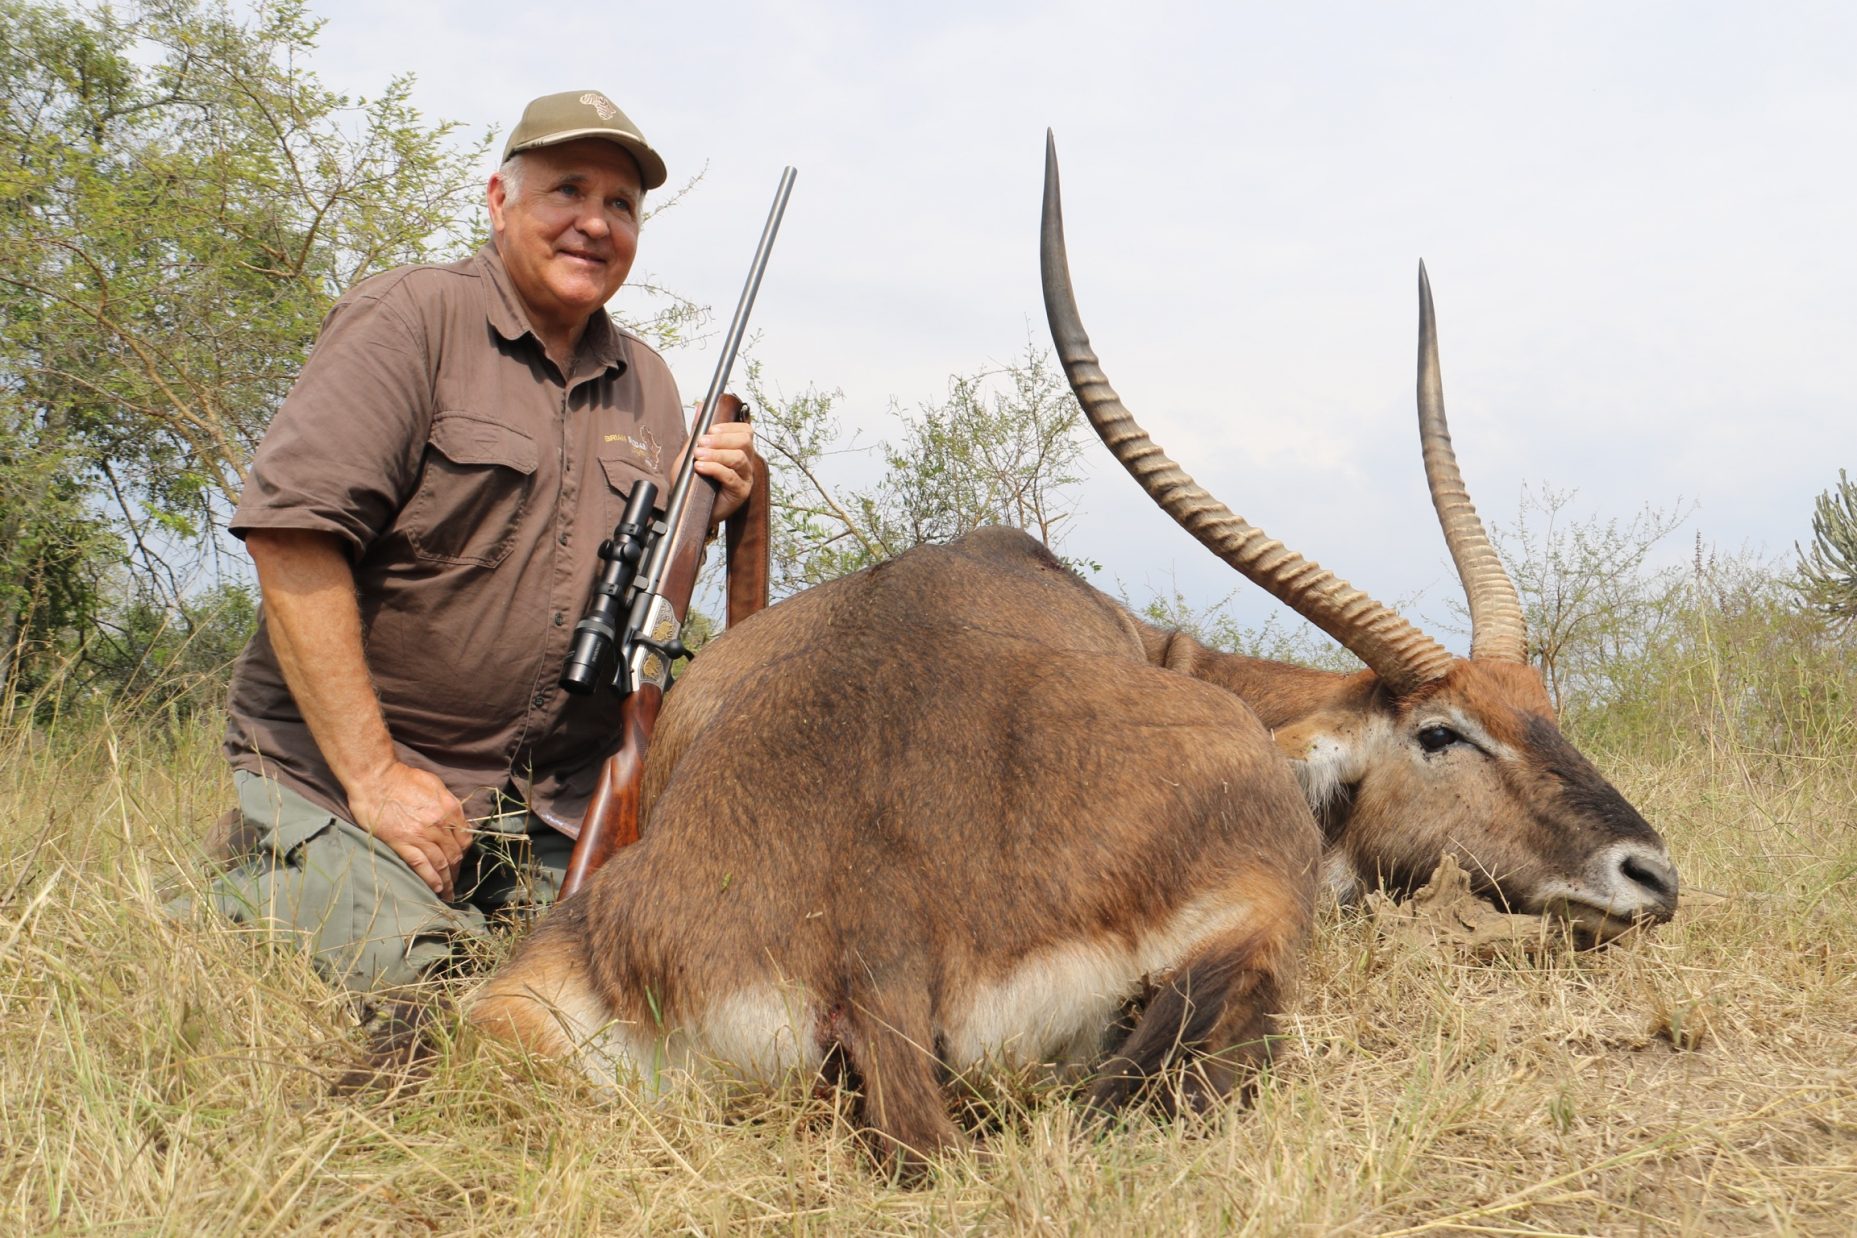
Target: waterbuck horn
1497, 632
1399, 653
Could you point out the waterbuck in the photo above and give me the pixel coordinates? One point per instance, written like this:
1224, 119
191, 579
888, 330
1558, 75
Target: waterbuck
961, 808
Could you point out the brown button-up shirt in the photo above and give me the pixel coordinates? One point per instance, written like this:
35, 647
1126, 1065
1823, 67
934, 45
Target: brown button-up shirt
472, 483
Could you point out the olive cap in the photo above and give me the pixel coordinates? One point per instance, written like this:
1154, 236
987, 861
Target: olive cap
553, 119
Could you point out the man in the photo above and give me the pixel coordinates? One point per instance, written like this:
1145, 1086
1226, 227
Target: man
424, 515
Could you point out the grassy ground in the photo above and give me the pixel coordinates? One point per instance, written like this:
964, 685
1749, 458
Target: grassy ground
160, 1078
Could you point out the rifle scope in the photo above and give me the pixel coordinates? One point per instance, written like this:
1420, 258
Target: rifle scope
606, 610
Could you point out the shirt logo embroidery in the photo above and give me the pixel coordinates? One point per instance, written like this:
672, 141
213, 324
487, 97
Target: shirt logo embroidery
647, 448
601, 104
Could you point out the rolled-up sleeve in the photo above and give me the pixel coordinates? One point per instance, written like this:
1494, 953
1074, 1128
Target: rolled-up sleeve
344, 450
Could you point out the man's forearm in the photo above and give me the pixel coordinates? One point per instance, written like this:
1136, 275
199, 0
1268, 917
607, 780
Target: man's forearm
315, 626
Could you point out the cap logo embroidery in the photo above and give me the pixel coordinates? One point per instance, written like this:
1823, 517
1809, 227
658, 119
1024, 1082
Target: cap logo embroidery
601, 104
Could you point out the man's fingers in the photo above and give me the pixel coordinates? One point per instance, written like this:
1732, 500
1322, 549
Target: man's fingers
728, 434
414, 813
426, 871
730, 468
724, 455
449, 849
729, 445
452, 827
446, 865
734, 485
444, 845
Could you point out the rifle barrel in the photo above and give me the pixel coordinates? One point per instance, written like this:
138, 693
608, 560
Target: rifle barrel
651, 575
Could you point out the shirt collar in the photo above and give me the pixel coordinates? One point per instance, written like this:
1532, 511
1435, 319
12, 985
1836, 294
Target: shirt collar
601, 343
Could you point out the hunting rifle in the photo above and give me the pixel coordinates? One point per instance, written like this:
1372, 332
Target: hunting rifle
635, 617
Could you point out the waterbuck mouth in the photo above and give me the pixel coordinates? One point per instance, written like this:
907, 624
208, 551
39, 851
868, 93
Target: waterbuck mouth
1630, 883
1635, 887
1633, 882
1594, 925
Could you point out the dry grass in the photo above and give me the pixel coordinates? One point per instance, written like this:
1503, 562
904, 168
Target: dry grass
173, 1078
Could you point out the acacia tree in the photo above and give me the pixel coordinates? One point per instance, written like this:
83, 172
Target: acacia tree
1001, 449
180, 202
1588, 598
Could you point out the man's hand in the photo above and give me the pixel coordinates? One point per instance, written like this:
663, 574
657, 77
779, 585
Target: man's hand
722, 455
412, 811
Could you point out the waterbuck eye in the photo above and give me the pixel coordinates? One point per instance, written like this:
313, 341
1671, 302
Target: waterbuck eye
1437, 738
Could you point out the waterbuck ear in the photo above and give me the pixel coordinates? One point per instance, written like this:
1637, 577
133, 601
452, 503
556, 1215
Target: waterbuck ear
1327, 752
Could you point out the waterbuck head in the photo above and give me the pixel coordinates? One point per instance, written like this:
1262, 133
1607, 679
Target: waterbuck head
1424, 753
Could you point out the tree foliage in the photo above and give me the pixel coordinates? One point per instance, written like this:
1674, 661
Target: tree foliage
1828, 568
172, 658
180, 201
1713, 654
1589, 596
1002, 448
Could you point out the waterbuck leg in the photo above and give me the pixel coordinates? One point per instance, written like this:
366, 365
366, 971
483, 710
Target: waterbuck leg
890, 1047
1206, 1029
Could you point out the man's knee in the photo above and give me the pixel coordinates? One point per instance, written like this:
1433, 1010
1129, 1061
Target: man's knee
363, 927
367, 920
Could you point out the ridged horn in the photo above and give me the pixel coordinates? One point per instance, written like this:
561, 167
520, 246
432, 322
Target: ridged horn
1497, 631
1399, 653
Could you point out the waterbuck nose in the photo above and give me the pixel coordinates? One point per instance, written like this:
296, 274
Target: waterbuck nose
1647, 879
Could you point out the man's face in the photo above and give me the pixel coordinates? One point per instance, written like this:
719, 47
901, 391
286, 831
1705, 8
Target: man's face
568, 230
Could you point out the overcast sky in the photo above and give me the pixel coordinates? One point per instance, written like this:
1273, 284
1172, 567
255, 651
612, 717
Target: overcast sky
1637, 218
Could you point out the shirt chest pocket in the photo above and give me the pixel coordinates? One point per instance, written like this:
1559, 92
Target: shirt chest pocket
623, 472
474, 491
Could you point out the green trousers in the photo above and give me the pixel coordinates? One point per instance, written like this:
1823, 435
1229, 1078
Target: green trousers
368, 921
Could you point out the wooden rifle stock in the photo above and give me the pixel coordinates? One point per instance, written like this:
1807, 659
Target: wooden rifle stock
612, 815
750, 546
